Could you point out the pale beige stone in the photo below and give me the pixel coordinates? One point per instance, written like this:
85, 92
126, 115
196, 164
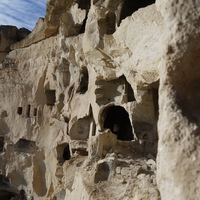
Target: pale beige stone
178, 127
79, 103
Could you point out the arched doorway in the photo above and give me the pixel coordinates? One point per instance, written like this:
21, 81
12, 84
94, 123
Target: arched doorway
117, 120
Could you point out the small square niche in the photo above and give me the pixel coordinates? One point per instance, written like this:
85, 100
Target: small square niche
50, 97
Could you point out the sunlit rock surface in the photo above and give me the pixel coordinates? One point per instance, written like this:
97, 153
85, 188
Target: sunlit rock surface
81, 95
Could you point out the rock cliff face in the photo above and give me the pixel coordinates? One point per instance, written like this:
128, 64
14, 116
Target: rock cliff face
79, 103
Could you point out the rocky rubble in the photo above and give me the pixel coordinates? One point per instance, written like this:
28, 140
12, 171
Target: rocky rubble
79, 103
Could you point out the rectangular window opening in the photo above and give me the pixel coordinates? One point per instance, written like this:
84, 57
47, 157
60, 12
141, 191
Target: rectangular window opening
35, 112
28, 109
50, 97
19, 110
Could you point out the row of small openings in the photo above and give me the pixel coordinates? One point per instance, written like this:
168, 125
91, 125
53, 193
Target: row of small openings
27, 111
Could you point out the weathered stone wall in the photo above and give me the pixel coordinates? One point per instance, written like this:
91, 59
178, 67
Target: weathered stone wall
79, 103
178, 127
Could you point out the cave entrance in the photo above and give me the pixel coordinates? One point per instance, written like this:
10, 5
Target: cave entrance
63, 152
117, 120
66, 153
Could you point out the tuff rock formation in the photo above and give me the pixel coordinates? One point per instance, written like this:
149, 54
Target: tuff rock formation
178, 149
79, 102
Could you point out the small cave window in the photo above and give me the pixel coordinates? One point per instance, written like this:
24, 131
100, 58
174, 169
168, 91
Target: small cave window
28, 110
2, 144
66, 153
130, 93
63, 152
19, 110
117, 120
66, 119
50, 97
35, 112
130, 6
83, 81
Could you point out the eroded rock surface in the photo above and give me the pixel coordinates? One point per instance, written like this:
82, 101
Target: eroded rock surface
79, 103
179, 102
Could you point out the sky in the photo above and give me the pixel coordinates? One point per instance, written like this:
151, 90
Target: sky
22, 13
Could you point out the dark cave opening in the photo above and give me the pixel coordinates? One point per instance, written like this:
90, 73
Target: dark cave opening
63, 152
130, 6
35, 112
19, 110
50, 97
83, 81
66, 153
28, 110
117, 120
83, 4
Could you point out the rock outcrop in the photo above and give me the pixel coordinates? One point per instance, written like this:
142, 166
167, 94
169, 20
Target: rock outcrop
178, 149
79, 102
8, 36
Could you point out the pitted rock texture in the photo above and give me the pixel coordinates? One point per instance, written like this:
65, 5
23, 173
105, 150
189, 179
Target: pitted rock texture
79, 104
